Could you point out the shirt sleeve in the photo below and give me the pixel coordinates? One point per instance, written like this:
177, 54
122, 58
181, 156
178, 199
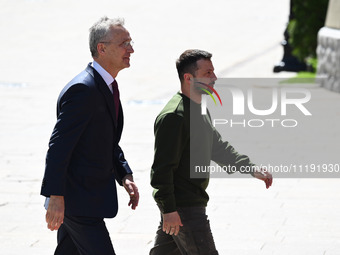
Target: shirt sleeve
225, 155
170, 139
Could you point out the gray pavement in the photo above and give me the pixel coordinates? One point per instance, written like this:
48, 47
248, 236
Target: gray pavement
44, 44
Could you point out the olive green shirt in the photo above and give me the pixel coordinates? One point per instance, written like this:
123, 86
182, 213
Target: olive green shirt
184, 138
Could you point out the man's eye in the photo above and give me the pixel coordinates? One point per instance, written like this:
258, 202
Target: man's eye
127, 44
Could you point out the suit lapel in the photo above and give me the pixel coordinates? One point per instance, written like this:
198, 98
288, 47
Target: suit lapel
103, 88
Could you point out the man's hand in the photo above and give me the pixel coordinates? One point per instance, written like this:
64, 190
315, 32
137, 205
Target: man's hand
171, 223
264, 175
132, 190
55, 212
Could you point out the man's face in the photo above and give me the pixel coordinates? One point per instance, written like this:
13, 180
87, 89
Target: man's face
118, 48
204, 76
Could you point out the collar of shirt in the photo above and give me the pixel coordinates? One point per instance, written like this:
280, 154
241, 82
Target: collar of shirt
104, 74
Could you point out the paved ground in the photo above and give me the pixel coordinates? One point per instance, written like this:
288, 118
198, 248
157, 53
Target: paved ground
44, 44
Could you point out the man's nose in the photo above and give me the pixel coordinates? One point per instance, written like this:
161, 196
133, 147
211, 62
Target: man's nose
214, 77
130, 49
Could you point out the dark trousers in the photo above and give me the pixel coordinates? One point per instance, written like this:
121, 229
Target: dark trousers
83, 236
194, 238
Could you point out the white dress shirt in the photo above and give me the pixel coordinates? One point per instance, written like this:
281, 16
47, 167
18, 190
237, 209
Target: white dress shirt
104, 74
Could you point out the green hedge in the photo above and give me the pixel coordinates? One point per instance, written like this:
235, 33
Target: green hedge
308, 17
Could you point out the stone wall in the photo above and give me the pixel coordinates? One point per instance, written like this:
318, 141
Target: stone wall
328, 50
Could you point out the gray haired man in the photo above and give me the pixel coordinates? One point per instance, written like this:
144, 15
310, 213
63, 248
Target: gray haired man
84, 159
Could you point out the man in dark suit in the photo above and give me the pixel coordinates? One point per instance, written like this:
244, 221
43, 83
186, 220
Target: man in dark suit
84, 158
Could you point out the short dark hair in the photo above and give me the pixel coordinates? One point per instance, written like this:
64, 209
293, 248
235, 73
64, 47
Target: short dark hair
187, 61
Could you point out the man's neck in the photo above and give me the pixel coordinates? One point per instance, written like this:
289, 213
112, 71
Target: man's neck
196, 97
107, 68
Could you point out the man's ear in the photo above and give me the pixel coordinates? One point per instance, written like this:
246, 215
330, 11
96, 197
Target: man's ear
188, 78
100, 48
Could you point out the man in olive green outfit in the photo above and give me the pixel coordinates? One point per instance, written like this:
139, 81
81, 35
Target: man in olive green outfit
184, 227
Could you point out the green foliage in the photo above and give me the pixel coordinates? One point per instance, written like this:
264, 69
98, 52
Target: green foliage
300, 78
309, 17
306, 75
313, 62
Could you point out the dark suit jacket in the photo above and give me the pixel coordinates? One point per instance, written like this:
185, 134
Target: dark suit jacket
84, 157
